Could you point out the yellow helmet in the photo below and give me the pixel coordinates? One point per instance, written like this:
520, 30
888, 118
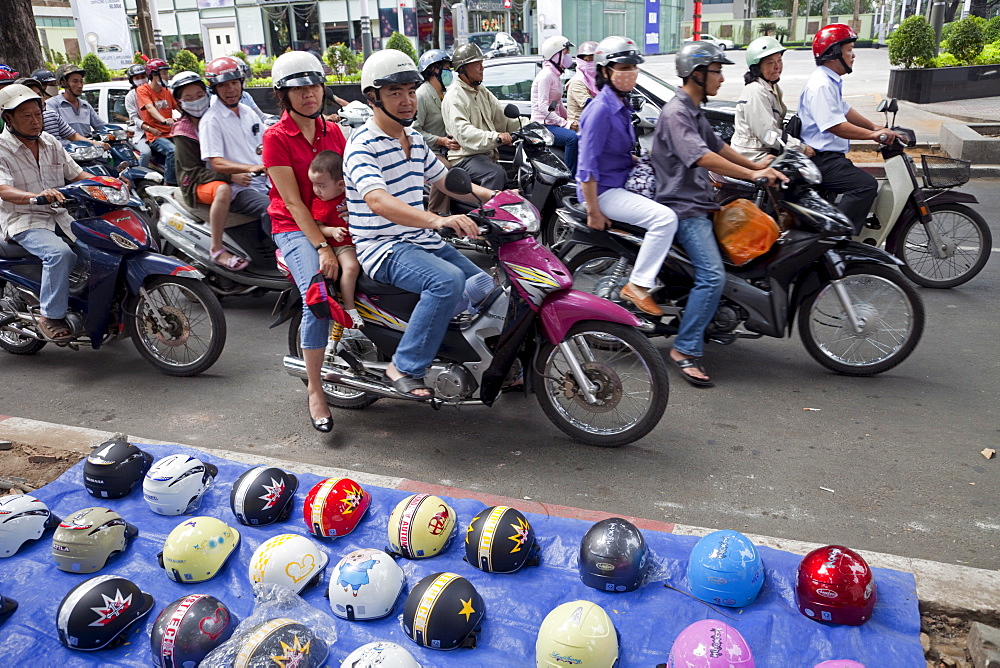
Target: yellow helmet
420, 526
578, 633
197, 549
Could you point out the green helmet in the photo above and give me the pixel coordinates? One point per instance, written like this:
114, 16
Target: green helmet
761, 48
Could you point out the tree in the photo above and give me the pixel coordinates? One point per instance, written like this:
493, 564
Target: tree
185, 61
967, 39
781, 32
342, 61
19, 45
767, 28
402, 43
94, 69
912, 43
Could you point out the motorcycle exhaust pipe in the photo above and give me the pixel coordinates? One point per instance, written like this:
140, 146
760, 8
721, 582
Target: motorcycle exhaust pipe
22, 332
296, 367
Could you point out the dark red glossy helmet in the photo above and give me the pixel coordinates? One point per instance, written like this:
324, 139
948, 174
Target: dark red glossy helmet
835, 585
223, 69
155, 65
7, 74
827, 42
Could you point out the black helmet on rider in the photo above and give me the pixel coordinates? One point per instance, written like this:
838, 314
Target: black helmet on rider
136, 71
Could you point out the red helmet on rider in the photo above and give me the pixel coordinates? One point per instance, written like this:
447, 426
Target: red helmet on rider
223, 69
827, 42
155, 65
835, 585
7, 75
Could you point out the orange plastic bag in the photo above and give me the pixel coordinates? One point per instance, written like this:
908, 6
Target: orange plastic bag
744, 231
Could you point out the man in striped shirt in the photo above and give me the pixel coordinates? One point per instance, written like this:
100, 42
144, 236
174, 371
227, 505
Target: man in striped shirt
385, 167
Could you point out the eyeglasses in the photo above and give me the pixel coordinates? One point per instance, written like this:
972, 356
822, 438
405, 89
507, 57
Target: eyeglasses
717, 73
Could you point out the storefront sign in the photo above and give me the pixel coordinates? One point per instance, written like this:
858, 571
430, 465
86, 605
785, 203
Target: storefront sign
652, 26
487, 6
102, 28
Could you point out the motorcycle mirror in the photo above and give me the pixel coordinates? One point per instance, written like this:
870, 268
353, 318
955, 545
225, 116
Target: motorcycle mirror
458, 180
773, 138
511, 111
893, 106
553, 104
882, 106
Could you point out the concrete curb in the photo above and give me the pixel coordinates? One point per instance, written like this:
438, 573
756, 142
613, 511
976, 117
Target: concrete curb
941, 588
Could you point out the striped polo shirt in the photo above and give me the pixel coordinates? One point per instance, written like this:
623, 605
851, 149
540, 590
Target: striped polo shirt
375, 161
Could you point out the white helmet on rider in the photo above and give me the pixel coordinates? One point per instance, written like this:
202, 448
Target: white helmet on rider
297, 68
553, 45
388, 67
175, 484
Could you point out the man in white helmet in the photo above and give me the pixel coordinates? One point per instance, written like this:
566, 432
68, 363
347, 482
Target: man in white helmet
385, 166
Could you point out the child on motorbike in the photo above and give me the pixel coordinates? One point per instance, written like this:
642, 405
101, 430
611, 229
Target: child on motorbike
326, 172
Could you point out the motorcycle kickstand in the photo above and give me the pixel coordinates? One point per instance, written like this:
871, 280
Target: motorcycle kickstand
857, 325
581, 378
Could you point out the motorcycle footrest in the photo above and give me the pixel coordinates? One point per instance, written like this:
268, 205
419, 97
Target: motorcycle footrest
7, 320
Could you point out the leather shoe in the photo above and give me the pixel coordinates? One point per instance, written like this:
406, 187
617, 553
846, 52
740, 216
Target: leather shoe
644, 304
323, 424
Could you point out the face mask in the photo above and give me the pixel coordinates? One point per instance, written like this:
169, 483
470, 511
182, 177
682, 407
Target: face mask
196, 108
566, 61
447, 76
585, 67
51, 91
624, 82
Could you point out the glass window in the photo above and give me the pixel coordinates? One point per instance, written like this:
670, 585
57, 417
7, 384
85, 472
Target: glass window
116, 105
511, 81
94, 98
483, 40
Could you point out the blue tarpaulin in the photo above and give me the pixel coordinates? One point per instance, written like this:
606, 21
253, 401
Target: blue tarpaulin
648, 620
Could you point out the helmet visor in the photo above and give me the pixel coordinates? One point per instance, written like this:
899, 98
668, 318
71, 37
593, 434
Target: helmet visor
398, 78
626, 57
300, 79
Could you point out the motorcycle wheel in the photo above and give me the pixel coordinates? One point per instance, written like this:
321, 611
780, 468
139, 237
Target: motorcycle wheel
597, 271
196, 326
893, 316
13, 343
338, 396
966, 239
555, 232
631, 379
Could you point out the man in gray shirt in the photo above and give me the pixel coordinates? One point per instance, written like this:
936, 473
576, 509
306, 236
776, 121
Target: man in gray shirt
684, 149
435, 67
71, 105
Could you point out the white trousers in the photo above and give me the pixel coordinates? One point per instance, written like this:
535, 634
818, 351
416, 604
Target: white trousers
659, 221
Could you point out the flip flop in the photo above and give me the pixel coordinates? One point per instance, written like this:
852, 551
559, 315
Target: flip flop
234, 263
406, 385
55, 329
692, 363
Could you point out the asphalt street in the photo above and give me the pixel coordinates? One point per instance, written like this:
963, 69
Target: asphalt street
898, 454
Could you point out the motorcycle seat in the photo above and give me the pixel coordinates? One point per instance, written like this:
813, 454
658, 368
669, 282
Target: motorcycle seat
200, 212
12, 251
370, 286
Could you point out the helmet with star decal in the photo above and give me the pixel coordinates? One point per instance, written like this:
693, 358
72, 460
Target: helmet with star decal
334, 507
281, 642
500, 540
443, 611
263, 495
95, 614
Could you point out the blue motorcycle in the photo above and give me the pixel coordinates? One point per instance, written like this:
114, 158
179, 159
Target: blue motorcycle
119, 287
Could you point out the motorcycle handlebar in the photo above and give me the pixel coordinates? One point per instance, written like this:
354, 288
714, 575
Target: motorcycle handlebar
41, 199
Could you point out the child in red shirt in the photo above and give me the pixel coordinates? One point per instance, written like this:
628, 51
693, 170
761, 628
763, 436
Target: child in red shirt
327, 175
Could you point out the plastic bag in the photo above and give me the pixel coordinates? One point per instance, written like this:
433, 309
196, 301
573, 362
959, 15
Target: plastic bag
273, 603
744, 231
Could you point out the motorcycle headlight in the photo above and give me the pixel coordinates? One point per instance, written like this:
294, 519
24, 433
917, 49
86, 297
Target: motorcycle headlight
84, 153
117, 196
119, 135
810, 172
526, 213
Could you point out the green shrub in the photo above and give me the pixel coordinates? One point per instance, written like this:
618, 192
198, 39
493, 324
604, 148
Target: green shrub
185, 61
912, 43
137, 59
966, 39
94, 69
342, 60
993, 30
990, 55
402, 43
239, 55
945, 60
259, 66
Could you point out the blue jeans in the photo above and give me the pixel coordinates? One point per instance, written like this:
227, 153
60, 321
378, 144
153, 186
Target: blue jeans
439, 277
165, 147
303, 261
697, 237
569, 139
57, 262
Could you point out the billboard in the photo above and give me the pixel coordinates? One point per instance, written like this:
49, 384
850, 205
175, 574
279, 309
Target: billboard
102, 28
549, 19
652, 40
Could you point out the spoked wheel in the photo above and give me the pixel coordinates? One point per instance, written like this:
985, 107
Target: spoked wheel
964, 247
180, 328
600, 272
628, 378
890, 313
555, 232
338, 396
10, 341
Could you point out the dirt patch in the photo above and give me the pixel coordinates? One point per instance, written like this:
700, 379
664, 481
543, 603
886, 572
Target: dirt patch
947, 641
25, 468
870, 155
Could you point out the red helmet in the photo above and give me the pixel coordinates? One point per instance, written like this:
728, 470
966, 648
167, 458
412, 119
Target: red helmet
155, 65
7, 74
334, 506
835, 585
223, 69
829, 37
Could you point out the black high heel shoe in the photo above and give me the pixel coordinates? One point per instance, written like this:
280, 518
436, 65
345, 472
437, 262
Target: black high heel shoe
323, 424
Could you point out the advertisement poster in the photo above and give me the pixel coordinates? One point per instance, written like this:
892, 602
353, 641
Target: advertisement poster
652, 27
549, 19
102, 28
460, 21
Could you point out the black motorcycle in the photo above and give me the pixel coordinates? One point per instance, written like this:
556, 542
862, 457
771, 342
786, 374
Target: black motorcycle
857, 315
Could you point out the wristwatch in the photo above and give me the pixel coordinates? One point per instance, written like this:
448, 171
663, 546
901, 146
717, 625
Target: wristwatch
322, 246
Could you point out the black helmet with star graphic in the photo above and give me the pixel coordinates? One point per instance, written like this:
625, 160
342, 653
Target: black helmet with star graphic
263, 495
443, 611
96, 614
281, 642
500, 540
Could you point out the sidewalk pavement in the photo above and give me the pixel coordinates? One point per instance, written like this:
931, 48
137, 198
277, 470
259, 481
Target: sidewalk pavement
941, 588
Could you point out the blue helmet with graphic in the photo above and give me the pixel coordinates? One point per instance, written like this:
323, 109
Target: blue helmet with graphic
725, 569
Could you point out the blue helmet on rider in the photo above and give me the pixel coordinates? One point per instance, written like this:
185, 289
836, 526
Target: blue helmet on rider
725, 569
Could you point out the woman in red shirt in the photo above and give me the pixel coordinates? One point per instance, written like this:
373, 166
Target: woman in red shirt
289, 147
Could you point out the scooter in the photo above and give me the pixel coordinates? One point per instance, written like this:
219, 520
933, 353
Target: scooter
596, 377
353, 116
185, 231
857, 315
120, 287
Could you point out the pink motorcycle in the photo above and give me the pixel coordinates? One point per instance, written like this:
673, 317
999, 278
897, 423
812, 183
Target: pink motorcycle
597, 377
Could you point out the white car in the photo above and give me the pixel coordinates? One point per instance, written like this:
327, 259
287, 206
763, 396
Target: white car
108, 100
721, 43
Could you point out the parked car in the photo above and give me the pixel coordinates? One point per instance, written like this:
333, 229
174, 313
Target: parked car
495, 44
721, 43
108, 100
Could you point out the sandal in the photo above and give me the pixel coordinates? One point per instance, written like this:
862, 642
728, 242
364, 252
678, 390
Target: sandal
234, 263
406, 385
692, 363
54, 329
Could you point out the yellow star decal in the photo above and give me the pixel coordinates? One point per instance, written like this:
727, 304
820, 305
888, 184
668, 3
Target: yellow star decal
470, 529
466, 608
292, 655
352, 500
520, 536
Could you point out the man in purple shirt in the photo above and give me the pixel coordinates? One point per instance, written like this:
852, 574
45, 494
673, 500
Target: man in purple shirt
606, 142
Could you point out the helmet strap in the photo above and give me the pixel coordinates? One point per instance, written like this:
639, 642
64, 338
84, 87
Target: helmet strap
313, 115
19, 135
405, 122
558, 64
847, 68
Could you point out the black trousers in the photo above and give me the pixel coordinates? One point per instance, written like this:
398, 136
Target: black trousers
857, 188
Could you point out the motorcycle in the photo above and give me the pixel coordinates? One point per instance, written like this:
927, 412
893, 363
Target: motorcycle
856, 313
596, 377
185, 231
353, 116
119, 287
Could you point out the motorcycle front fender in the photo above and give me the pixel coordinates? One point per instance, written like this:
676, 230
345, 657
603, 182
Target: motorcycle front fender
855, 252
932, 198
140, 266
563, 309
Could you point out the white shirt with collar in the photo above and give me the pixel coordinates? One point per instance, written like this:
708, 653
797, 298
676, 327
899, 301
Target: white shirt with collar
238, 138
822, 106
19, 169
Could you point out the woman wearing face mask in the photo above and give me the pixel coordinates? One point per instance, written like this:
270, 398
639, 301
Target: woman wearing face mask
198, 183
583, 85
547, 88
606, 142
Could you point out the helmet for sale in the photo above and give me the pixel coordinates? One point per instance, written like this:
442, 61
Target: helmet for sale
578, 633
197, 549
466, 53
263, 495
114, 467
420, 526
725, 569
182, 79
761, 48
710, 644
443, 611
553, 45
175, 484
835, 585
188, 629
613, 556
587, 48
693, 55
14, 95
380, 654
22, 518
334, 507
365, 585
288, 559
828, 40
7, 607
430, 58
156, 65
281, 642
85, 540
64, 71
388, 67
839, 663
223, 69
45, 77
617, 49
96, 614
135, 71
297, 68
500, 540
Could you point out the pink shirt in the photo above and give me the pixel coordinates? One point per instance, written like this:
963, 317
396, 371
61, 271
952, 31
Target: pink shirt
546, 87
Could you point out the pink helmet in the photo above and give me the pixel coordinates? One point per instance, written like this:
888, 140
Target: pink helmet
839, 663
710, 644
